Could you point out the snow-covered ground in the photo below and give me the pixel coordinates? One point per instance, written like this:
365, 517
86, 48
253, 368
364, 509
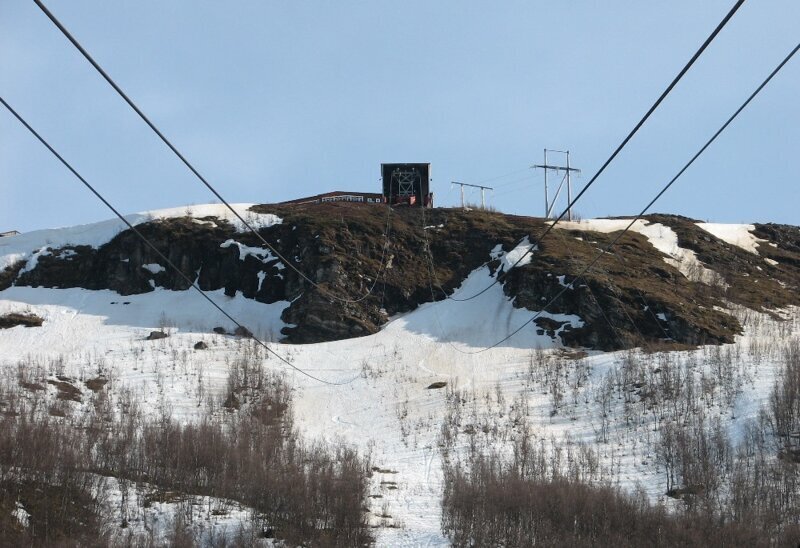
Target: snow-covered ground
734, 234
662, 237
150, 517
384, 405
25, 246
381, 401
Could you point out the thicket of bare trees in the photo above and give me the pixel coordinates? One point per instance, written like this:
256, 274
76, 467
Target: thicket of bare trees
53, 462
542, 497
727, 487
785, 403
495, 502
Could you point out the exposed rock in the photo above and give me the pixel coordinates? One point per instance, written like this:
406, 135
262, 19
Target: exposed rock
437, 385
341, 246
155, 335
243, 332
220, 331
200, 346
232, 402
9, 274
13, 319
32, 386
96, 384
66, 390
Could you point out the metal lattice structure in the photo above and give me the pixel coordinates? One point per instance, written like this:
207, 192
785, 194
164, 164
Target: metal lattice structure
407, 184
404, 181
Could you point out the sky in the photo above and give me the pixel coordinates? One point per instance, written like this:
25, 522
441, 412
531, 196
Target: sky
276, 100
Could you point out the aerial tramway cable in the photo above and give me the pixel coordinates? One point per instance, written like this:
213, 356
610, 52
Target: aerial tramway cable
619, 148
158, 252
186, 162
650, 204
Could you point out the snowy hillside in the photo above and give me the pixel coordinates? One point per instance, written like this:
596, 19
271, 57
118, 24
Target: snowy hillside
382, 399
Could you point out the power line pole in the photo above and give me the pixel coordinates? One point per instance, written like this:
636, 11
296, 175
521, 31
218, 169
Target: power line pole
483, 190
546, 201
569, 191
548, 206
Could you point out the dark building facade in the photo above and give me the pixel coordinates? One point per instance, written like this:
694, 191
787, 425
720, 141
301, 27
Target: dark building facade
407, 184
341, 196
403, 184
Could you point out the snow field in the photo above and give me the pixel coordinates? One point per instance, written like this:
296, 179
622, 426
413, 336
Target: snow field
734, 234
385, 407
29, 245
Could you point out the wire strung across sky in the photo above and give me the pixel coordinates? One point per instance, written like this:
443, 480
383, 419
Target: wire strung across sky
619, 148
498, 177
157, 251
666, 187
497, 279
186, 162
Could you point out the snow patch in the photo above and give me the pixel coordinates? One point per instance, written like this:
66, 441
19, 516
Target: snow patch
22, 515
34, 259
155, 268
94, 235
479, 322
508, 260
85, 317
263, 255
660, 236
214, 521
261, 275
739, 235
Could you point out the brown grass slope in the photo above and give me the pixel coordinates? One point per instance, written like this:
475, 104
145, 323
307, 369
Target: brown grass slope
341, 247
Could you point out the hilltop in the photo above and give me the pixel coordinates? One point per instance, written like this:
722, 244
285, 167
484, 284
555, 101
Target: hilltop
669, 280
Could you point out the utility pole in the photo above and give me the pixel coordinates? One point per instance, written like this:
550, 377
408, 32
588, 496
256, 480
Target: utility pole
546, 201
483, 190
548, 206
569, 191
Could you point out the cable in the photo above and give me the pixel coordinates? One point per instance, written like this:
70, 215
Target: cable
618, 295
383, 262
155, 249
646, 304
433, 279
647, 307
619, 148
186, 162
653, 201
502, 177
613, 328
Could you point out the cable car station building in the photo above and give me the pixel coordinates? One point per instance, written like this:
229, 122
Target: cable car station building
403, 184
407, 184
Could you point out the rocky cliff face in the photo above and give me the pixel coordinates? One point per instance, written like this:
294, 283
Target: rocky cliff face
631, 297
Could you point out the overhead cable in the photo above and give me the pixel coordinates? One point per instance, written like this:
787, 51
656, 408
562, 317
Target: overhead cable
619, 148
156, 250
649, 205
186, 162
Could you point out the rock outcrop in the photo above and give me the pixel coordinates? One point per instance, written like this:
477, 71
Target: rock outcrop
630, 297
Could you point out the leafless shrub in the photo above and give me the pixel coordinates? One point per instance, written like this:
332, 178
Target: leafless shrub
526, 501
307, 493
785, 400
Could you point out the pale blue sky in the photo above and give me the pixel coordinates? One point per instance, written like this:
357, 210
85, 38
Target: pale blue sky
276, 100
